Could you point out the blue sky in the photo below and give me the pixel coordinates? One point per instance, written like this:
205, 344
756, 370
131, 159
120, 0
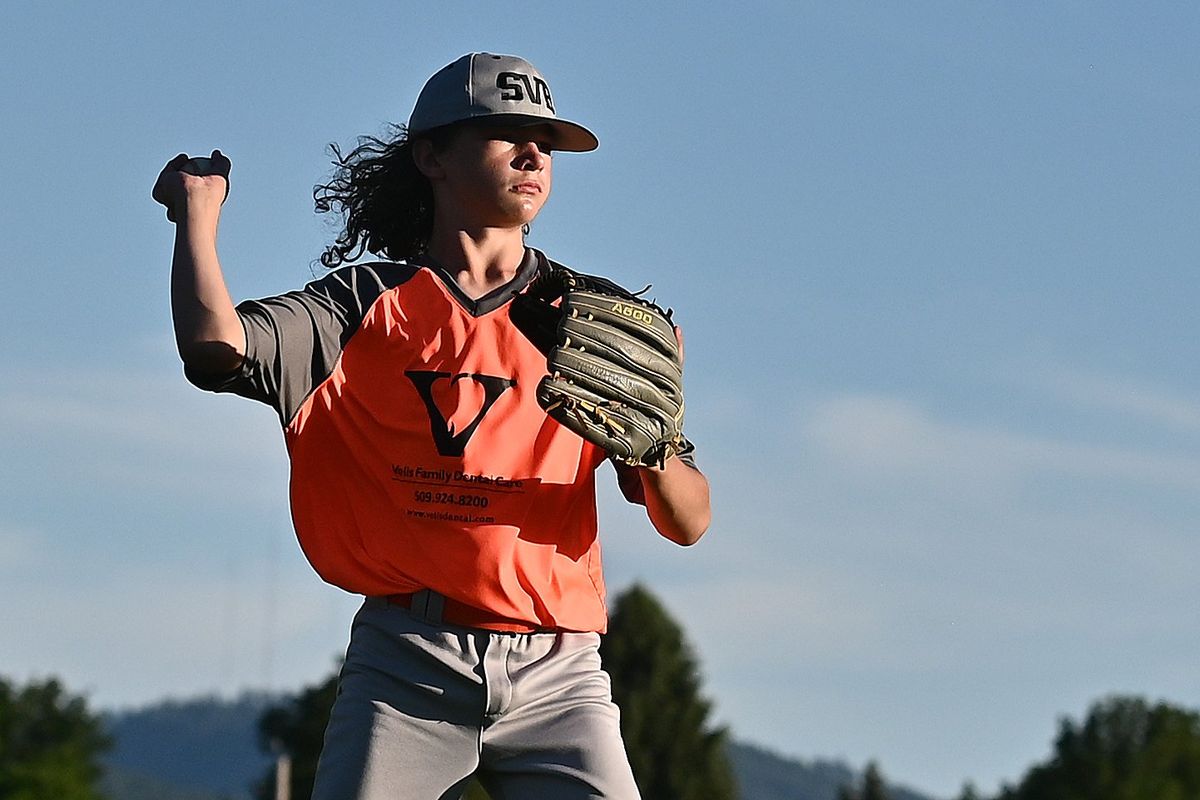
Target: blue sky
936, 263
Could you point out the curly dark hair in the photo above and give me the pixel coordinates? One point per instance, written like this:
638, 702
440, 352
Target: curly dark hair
386, 202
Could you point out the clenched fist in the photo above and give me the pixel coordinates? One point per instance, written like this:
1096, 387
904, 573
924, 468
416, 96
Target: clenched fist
187, 181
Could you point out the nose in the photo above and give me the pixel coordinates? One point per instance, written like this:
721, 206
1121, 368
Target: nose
529, 157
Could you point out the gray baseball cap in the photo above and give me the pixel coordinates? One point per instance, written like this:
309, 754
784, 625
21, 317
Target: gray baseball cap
502, 90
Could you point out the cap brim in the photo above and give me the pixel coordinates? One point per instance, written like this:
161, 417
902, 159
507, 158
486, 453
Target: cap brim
569, 136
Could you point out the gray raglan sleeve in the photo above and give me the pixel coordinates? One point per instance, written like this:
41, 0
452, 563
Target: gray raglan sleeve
293, 340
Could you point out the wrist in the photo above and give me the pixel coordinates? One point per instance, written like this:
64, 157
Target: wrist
655, 472
197, 215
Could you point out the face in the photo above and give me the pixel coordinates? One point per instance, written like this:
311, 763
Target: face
492, 176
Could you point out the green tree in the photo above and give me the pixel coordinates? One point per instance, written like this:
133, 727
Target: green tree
674, 753
297, 727
873, 786
50, 744
1126, 749
969, 792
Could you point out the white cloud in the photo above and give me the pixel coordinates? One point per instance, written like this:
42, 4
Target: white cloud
836, 614
887, 436
19, 550
145, 409
1154, 404
916, 540
137, 633
138, 433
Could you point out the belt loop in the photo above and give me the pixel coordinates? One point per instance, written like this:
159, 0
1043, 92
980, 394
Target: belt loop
427, 606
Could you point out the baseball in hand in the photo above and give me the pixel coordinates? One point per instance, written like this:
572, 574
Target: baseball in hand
217, 164
199, 165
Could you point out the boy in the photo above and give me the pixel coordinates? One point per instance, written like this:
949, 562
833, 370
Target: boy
424, 475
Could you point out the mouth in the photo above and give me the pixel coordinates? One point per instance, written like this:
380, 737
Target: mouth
528, 187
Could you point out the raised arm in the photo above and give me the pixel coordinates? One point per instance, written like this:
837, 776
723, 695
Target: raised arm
208, 331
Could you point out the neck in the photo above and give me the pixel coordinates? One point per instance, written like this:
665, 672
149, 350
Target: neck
479, 260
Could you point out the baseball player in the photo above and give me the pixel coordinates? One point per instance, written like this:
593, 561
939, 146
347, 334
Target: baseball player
425, 474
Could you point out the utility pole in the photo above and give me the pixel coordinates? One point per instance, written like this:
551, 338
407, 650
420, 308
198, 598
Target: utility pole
283, 771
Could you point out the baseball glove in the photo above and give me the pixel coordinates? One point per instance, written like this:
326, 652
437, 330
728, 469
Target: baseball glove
616, 370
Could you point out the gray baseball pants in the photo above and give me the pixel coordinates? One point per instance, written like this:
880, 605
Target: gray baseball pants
423, 707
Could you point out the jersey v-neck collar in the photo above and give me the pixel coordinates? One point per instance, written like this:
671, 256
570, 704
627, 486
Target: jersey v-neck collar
496, 297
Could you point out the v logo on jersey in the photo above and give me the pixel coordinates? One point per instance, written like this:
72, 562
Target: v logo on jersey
448, 441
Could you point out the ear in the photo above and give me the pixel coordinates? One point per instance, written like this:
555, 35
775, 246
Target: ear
425, 156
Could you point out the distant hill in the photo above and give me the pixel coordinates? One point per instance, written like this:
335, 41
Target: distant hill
124, 784
208, 749
199, 749
764, 775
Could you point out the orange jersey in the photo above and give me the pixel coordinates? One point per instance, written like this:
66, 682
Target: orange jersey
419, 455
